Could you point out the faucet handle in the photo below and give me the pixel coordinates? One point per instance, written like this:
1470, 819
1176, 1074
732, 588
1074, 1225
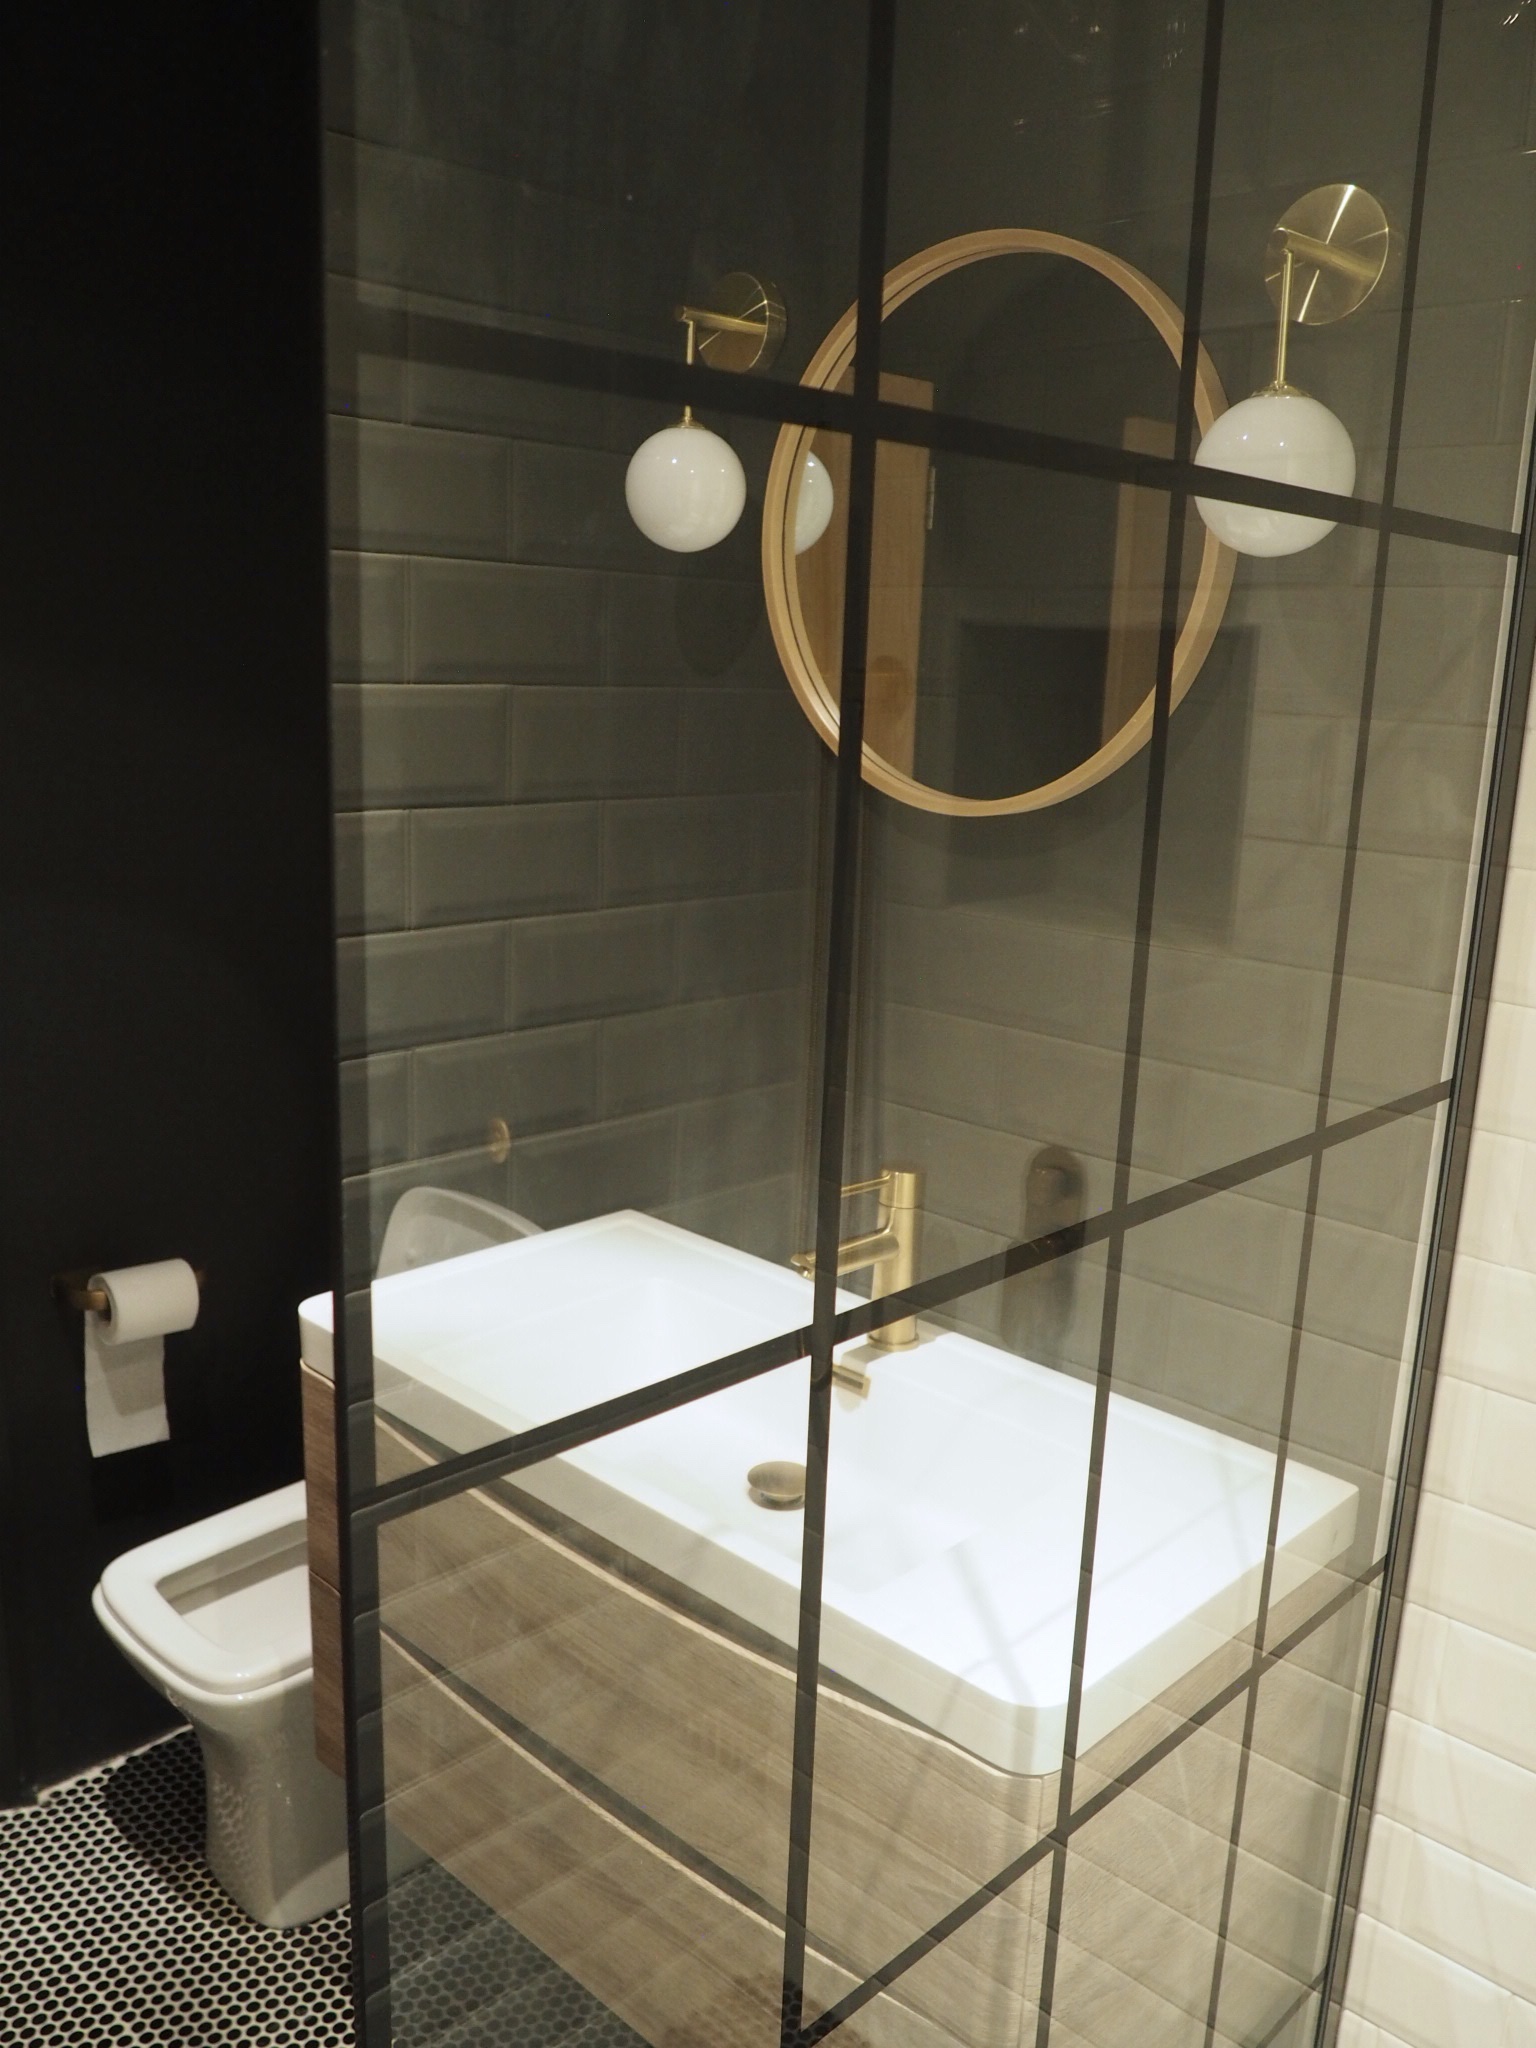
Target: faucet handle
897, 1186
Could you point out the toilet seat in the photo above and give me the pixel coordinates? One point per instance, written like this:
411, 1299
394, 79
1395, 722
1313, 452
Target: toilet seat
136, 1598
216, 1616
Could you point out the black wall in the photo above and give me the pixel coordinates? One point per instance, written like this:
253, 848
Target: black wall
166, 1012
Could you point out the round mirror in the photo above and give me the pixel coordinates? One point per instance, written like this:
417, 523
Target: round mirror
1014, 611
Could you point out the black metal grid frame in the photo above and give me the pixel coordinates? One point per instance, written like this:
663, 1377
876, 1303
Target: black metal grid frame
866, 419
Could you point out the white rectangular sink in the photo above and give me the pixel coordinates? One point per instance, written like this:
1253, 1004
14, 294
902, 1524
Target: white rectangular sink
955, 1493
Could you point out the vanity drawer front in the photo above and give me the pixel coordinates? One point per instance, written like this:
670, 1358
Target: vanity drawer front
696, 1731
679, 1960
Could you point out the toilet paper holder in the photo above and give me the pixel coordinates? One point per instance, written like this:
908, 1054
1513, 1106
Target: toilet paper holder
74, 1290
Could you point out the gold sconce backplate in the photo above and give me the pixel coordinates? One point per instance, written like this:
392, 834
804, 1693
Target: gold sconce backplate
1339, 241
888, 764
742, 328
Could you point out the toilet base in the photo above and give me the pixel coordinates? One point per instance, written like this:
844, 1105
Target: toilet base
277, 1818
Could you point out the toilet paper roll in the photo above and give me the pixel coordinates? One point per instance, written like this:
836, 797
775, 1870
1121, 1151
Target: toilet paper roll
147, 1301
125, 1353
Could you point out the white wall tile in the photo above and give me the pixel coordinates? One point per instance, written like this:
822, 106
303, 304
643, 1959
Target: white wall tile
1445, 1954
1452, 1467
1502, 1470
1506, 1095
1492, 1196
1514, 970
1487, 1693
1464, 1798
1422, 1998
1477, 1568
1490, 1334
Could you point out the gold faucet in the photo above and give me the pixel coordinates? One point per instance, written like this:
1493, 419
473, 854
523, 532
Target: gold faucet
890, 1250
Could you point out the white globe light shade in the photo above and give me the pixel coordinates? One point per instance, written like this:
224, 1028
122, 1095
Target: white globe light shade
685, 488
1289, 439
813, 508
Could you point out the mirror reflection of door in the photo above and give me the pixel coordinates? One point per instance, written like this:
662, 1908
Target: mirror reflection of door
1136, 592
897, 552
1082, 684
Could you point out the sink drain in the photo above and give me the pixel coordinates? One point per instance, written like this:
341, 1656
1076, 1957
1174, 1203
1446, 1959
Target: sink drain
777, 1484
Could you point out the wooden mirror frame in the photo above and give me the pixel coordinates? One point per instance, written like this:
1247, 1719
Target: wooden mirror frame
786, 618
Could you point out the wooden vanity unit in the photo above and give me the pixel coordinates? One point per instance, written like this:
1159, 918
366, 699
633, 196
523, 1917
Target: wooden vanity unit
610, 1768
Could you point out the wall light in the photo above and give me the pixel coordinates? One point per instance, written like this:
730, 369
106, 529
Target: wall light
685, 487
1324, 259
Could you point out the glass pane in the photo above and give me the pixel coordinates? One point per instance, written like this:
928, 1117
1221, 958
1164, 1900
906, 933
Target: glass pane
1474, 318
1299, 1766
956, 1468
1063, 339
588, 1720
1311, 96
582, 170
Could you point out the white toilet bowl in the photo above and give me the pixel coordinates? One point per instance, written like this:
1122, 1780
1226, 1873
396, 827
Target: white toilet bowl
216, 1616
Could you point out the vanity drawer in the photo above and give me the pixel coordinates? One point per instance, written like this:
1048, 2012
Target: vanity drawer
695, 1731
679, 1960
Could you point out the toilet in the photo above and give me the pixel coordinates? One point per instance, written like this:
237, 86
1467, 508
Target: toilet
216, 1617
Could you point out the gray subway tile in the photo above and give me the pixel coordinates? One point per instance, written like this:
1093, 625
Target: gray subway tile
1360, 1287
533, 1080
1052, 979
571, 1175
593, 742
740, 740
490, 622
408, 988
591, 965
568, 507
592, 265
689, 1050
939, 1062
672, 848
454, 99
504, 862
668, 628
1241, 1017
746, 942
496, 402
1422, 789
763, 1218
371, 871
399, 744
1392, 1039
729, 1139
375, 1111
360, 78
418, 490
367, 617
395, 218
364, 350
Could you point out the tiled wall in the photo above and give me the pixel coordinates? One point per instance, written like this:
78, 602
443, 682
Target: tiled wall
577, 822
1445, 1952
1002, 949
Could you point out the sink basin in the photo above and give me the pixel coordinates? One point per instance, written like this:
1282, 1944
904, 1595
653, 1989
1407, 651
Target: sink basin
955, 1490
